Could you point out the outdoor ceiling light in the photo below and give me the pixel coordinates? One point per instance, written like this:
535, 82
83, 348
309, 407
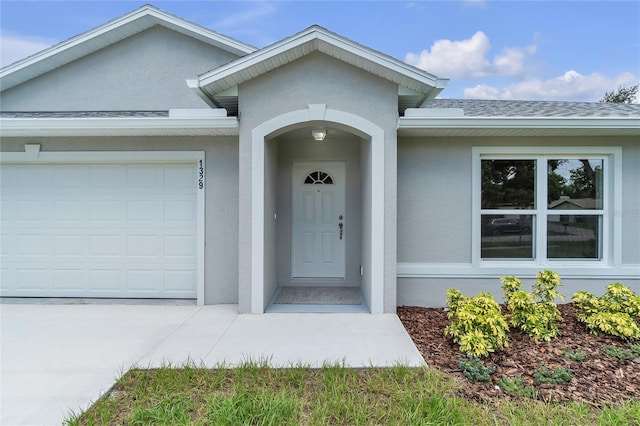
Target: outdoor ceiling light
319, 134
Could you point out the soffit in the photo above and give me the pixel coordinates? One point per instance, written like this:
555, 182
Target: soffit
112, 32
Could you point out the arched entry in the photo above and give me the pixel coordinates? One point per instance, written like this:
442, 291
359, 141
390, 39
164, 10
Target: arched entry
372, 198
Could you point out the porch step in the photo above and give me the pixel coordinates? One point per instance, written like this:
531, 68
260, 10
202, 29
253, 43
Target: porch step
318, 296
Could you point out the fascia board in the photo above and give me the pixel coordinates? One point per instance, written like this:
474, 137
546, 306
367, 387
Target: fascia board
253, 59
16, 127
313, 36
519, 123
145, 16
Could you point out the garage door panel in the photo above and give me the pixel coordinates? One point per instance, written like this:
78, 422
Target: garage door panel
31, 279
179, 177
69, 245
175, 280
110, 210
179, 246
74, 279
146, 176
32, 245
69, 210
71, 176
143, 210
105, 177
179, 211
143, 245
103, 230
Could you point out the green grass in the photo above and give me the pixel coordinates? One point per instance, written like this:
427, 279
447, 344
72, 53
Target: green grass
255, 394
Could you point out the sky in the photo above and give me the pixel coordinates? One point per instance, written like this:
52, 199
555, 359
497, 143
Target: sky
489, 49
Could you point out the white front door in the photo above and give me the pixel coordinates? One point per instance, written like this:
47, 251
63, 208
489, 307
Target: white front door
319, 220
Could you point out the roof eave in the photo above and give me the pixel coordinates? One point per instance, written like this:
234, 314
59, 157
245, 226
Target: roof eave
138, 126
518, 126
145, 17
314, 39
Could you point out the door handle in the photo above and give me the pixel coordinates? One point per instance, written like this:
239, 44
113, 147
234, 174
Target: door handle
340, 225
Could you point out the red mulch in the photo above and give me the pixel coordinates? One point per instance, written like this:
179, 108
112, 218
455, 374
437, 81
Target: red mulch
599, 379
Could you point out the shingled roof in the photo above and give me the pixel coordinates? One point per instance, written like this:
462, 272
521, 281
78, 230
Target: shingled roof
508, 108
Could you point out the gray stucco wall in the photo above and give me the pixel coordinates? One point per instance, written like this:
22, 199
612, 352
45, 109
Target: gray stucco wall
318, 79
221, 197
144, 72
435, 215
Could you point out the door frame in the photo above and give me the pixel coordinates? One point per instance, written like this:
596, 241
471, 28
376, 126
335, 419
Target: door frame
374, 266
320, 164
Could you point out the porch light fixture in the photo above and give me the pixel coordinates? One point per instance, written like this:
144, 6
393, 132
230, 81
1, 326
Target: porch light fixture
319, 134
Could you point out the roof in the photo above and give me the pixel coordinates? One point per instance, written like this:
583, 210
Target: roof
510, 108
82, 114
576, 203
175, 122
219, 86
107, 34
495, 118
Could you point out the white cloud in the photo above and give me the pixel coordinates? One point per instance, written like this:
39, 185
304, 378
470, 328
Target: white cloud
470, 58
15, 47
256, 12
571, 86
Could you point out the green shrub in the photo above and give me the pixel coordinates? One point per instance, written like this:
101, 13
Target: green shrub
517, 386
556, 376
478, 324
474, 370
614, 313
577, 355
534, 314
622, 353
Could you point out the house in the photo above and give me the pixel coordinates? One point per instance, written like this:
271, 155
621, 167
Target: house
153, 158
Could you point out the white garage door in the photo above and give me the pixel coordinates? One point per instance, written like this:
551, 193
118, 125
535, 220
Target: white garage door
99, 230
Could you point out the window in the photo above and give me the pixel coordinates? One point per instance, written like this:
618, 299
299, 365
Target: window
542, 208
318, 177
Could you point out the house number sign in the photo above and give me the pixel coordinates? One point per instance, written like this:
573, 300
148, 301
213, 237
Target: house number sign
200, 174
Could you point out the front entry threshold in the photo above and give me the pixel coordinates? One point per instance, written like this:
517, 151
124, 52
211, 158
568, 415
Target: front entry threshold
317, 300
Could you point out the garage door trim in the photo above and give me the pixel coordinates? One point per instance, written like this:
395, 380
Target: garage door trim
33, 155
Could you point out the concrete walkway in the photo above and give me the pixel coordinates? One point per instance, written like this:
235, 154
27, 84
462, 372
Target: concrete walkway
58, 358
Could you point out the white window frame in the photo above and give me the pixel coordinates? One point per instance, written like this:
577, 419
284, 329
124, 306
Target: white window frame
611, 231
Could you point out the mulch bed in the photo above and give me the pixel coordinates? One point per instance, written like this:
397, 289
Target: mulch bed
599, 379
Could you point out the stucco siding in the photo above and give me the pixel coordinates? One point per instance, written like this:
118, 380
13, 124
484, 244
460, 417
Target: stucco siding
630, 212
434, 201
431, 292
221, 197
318, 79
144, 72
435, 213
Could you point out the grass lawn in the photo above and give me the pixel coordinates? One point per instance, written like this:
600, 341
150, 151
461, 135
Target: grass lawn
254, 394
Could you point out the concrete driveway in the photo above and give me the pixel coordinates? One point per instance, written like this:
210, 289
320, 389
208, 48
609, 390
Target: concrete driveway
59, 358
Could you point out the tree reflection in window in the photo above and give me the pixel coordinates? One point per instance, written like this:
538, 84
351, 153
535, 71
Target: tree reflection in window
508, 184
318, 177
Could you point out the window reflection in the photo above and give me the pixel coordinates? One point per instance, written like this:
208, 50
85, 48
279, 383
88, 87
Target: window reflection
507, 237
508, 184
573, 237
574, 184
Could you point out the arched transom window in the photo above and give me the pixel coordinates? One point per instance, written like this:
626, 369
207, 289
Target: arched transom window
318, 177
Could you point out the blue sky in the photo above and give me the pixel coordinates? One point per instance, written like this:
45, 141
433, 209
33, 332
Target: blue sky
490, 49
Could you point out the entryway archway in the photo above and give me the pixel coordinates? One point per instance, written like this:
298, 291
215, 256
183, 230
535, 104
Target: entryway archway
264, 201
